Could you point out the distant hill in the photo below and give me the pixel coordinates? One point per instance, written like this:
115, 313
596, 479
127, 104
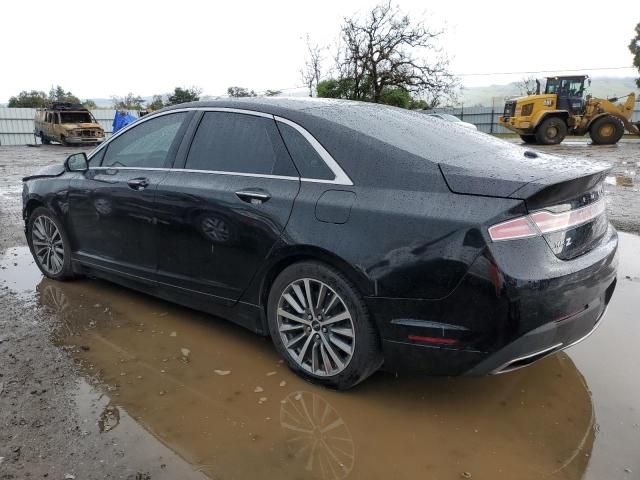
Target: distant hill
600, 87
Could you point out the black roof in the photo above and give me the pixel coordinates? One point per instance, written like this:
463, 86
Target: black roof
66, 106
389, 147
272, 105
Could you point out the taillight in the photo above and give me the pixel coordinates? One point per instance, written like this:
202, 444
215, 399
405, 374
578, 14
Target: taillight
543, 221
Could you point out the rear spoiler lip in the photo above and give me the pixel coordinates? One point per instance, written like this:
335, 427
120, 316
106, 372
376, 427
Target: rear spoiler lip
556, 190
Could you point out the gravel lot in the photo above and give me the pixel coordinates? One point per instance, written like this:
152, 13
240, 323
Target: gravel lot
100, 382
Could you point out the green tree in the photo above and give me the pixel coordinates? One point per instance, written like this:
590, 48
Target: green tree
398, 97
58, 94
129, 102
634, 47
184, 95
89, 104
239, 92
335, 88
156, 103
418, 104
32, 99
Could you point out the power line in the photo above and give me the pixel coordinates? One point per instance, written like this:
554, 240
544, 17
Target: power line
471, 75
542, 71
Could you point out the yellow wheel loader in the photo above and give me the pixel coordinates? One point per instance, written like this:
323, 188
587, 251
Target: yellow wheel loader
563, 109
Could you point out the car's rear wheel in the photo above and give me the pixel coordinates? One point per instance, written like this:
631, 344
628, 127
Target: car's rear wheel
320, 325
44, 139
551, 131
49, 244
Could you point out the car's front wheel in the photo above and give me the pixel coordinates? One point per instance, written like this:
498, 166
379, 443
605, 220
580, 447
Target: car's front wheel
320, 325
49, 244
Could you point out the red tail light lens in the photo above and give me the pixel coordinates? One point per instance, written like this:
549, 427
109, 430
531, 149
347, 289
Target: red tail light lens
512, 229
542, 222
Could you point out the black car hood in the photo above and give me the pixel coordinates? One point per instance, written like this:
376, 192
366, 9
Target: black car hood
513, 172
49, 171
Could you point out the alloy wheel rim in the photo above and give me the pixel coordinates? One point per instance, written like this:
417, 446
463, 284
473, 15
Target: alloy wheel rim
316, 327
47, 245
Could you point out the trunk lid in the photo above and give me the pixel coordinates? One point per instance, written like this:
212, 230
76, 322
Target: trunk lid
511, 171
559, 186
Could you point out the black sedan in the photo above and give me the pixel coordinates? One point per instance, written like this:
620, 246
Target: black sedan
355, 235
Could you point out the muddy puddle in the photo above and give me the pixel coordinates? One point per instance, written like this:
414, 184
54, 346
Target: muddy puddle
220, 398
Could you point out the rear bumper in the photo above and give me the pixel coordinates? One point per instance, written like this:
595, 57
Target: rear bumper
546, 339
500, 319
522, 127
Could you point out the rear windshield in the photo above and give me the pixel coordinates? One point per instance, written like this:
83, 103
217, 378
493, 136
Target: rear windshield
76, 117
413, 132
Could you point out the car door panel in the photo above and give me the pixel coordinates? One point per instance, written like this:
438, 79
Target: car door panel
112, 204
212, 241
113, 223
219, 217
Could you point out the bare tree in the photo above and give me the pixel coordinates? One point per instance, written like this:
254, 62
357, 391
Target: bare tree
527, 86
380, 51
312, 71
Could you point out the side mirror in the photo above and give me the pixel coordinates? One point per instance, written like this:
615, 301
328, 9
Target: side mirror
77, 162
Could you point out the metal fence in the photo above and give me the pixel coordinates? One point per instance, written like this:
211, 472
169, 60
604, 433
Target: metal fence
486, 118
16, 124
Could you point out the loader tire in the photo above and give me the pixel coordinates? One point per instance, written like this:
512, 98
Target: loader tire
530, 139
551, 131
606, 130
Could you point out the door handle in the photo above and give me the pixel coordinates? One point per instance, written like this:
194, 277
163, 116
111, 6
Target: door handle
138, 183
253, 196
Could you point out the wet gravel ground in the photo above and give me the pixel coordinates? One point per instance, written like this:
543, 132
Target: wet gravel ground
623, 184
100, 382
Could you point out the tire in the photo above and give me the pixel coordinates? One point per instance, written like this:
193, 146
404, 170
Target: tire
43, 139
607, 130
55, 262
530, 139
353, 340
63, 141
551, 131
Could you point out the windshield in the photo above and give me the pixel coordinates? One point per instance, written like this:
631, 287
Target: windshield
572, 87
76, 117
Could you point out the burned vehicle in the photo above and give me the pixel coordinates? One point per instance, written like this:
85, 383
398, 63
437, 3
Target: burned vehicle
68, 124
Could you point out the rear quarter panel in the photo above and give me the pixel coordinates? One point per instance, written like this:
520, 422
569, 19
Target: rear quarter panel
396, 243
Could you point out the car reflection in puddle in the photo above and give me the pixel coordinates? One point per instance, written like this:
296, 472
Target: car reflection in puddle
234, 410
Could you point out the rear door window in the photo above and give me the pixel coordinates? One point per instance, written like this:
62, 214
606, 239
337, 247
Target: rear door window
239, 143
146, 145
307, 159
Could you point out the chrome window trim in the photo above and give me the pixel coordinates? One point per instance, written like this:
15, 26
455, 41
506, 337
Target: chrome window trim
190, 170
240, 174
158, 169
341, 178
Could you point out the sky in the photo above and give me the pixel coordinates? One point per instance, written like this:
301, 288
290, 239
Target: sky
101, 49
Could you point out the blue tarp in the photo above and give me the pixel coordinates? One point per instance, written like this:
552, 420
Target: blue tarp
121, 120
